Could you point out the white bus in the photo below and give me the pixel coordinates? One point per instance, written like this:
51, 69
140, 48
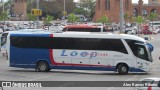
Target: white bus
154, 24
80, 51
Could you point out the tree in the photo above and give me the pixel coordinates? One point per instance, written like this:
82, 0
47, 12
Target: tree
52, 7
139, 20
126, 16
89, 6
31, 17
48, 19
153, 16
4, 16
104, 19
80, 11
72, 18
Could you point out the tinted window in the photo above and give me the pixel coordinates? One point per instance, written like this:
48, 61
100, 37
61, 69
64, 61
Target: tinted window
69, 43
138, 50
83, 29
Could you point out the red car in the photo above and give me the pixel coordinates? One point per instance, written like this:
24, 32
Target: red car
146, 32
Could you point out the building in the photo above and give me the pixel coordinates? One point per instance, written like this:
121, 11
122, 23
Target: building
20, 9
154, 1
111, 8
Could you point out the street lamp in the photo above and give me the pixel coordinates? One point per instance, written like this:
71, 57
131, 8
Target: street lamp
37, 4
64, 12
121, 16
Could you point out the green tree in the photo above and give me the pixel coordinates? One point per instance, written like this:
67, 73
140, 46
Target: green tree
72, 18
31, 17
153, 16
89, 6
126, 16
139, 20
52, 7
80, 11
4, 16
48, 19
104, 20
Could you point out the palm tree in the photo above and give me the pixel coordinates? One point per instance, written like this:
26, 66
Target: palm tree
72, 18
139, 20
152, 17
104, 20
48, 20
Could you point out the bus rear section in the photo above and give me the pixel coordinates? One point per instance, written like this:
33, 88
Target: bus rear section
78, 52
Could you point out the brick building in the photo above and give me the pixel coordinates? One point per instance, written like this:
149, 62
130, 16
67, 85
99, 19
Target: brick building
154, 1
111, 8
20, 9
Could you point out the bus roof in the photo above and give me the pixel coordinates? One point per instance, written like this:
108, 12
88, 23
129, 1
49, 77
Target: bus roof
89, 35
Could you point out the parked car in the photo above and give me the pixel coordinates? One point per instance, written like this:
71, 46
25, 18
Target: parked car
146, 32
149, 84
130, 31
154, 29
1, 30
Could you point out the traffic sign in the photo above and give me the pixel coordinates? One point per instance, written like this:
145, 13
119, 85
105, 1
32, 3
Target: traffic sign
36, 12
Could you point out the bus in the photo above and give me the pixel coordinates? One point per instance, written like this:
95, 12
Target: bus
154, 24
80, 51
3, 48
83, 28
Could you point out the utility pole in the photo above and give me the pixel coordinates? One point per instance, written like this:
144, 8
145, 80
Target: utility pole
3, 10
64, 12
37, 4
121, 16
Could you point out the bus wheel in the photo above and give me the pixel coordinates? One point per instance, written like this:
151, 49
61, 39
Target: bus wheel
123, 69
43, 66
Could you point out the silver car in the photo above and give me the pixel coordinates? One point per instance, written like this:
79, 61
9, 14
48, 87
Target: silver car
149, 84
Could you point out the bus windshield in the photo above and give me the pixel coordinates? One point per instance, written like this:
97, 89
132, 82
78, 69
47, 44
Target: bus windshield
140, 50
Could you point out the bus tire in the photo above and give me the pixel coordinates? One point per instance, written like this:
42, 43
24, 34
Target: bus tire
123, 69
42, 66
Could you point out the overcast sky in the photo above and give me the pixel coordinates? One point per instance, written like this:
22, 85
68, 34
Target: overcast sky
136, 1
